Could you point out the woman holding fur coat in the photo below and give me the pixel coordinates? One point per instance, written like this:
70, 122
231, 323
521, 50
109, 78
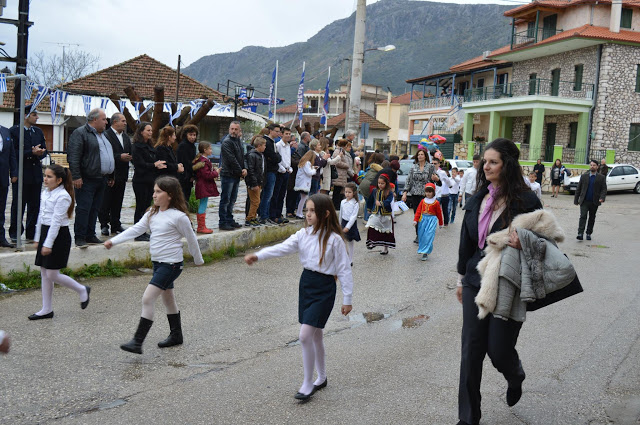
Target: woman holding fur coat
502, 195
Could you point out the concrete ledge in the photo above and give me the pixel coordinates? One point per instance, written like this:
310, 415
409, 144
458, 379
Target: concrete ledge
133, 253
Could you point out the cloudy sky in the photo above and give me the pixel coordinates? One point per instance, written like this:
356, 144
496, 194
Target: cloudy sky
118, 30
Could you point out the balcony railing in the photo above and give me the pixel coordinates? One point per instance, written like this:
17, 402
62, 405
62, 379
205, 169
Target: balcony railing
532, 36
533, 87
435, 102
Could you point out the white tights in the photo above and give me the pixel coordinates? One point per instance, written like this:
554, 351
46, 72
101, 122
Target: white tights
150, 296
303, 199
351, 246
48, 278
312, 355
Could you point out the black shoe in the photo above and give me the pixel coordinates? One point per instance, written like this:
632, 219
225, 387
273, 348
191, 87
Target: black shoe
84, 304
81, 243
5, 244
284, 220
44, 316
513, 395
226, 227
588, 237
105, 231
93, 240
416, 240
262, 221
303, 397
143, 238
319, 387
579, 237
175, 335
117, 230
135, 345
236, 225
271, 221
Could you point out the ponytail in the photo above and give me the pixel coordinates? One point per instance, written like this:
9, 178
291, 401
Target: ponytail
63, 173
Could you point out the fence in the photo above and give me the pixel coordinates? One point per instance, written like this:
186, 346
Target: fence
532, 87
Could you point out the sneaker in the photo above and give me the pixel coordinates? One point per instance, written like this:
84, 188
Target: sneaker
588, 237
255, 223
226, 227
284, 220
248, 223
579, 237
270, 221
118, 230
425, 257
81, 243
143, 238
262, 221
93, 240
104, 230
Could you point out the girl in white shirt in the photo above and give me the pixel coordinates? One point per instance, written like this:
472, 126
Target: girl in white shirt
323, 255
168, 221
306, 170
54, 239
349, 218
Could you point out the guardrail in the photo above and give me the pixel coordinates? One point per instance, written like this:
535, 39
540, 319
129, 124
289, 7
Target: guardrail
435, 102
533, 87
532, 36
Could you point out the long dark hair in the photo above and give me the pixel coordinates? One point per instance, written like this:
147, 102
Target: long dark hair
512, 185
171, 185
137, 137
326, 224
63, 173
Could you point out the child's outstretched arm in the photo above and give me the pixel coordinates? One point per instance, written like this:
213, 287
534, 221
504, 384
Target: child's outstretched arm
289, 246
142, 226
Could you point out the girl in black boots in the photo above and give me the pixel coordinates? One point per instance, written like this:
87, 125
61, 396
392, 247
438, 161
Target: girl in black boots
168, 221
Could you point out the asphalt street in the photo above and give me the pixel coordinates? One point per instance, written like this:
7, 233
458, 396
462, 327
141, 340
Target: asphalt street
394, 360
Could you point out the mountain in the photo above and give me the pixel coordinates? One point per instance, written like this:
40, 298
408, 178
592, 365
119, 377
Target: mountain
429, 38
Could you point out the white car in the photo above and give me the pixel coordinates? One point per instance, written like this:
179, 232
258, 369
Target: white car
620, 177
460, 164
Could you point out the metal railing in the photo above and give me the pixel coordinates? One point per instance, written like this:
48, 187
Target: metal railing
532, 36
440, 102
533, 87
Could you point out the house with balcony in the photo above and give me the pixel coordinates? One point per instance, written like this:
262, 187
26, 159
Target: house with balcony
574, 88
394, 112
439, 106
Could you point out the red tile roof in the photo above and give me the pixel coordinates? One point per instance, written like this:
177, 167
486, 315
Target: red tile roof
374, 124
144, 73
563, 4
289, 109
405, 98
479, 61
305, 118
8, 99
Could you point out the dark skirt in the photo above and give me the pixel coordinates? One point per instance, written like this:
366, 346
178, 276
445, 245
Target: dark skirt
376, 238
59, 252
353, 234
316, 297
555, 182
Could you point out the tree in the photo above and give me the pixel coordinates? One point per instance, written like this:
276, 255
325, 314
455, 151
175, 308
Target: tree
53, 70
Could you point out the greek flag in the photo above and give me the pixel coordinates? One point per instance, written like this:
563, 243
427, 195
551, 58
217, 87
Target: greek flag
301, 96
86, 102
61, 101
167, 107
42, 93
325, 106
195, 106
3, 83
28, 89
149, 106
136, 106
104, 103
122, 104
176, 115
53, 100
272, 94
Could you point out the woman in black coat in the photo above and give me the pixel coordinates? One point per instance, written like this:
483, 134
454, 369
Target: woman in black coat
146, 166
164, 152
501, 196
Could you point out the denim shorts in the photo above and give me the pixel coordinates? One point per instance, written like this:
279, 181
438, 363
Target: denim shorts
165, 273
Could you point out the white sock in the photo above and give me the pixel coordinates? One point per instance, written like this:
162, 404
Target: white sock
318, 345
61, 279
303, 199
350, 248
308, 357
47, 293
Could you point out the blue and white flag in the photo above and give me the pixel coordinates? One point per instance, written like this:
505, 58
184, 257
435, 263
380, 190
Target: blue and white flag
136, 106
301, 95
61, 102
3, 83
122, 104
86, 102
195, 106
325, 106
176, 115
272, 93
53, 100
103, 103
28, 89
167, 107
149, 106
42, 93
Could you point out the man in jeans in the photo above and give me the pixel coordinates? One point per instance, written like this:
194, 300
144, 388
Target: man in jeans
272, 158
590, 193
232, 164
91, 162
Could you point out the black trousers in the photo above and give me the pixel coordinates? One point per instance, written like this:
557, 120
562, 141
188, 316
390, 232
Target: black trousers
111, 208
186, 190
279, 193
293, 198
338, 196
30, 199
444, 203
495, 337
587, 208
144, 196
414, 203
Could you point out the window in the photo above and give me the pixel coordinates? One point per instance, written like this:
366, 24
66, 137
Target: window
573, 134
532, 83
480, 83
625, 18
577, 85
555, 82
531, 30
637, 78
527, 134
618, 171
634, 137
549, 26
630, 170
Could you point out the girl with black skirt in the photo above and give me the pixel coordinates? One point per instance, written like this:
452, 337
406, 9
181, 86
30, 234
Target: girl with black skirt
54, 239
323, 255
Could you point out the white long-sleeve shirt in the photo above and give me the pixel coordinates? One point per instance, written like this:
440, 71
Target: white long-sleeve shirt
284, 149
468, 182
167, 229
53, 213
349, 211
446, 183
455, 185
336, 260
535, 186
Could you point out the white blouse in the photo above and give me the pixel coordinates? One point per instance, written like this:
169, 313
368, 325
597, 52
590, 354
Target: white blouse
53, 213
336, 260
167, 229
349, 211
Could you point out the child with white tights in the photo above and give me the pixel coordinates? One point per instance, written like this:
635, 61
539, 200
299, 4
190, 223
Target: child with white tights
306, 170
54, 240
349, 208
323, 255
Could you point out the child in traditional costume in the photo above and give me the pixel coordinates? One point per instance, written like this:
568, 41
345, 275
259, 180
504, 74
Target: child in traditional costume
427, 218
380, 224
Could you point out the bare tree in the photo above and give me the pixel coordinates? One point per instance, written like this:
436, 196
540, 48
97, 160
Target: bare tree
53, 70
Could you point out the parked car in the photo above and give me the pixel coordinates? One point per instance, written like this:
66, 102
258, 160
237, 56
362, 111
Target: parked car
460, 164
403, 173
216, 148
620, 177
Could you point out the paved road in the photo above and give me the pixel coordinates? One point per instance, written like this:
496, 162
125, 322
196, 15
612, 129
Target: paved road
241, 363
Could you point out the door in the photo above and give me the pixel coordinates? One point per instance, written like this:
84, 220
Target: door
631, 177
549, 26
555, 82
550, 143
615, 179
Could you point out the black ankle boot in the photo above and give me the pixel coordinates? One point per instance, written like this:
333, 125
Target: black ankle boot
135, 345
175, 336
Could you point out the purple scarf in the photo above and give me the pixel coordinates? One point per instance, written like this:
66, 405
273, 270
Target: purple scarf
485, 217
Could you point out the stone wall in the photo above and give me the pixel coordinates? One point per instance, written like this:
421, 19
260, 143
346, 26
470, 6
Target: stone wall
617, 104
562, 128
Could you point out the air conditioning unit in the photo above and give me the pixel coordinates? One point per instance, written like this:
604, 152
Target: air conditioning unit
486, 54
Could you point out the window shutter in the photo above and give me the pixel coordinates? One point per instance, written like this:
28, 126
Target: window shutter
637, 78
625, 18
577, 86
634, 137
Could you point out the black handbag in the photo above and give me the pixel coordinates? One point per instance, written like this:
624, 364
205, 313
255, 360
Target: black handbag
334, 172
571, 289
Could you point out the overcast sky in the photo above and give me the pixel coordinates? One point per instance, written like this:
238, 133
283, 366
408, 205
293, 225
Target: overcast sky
118, 30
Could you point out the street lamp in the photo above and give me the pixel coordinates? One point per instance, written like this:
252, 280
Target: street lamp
249, 91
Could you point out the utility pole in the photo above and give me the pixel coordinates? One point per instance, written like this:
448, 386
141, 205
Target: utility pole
356, 68
21, 53
178, 82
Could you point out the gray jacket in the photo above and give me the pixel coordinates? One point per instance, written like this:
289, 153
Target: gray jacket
83, 154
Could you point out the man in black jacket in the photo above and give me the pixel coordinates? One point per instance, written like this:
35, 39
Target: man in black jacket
232, 164
114, 195
35, 149
8, 172
272, 158
92, 164
590, 193
185, 154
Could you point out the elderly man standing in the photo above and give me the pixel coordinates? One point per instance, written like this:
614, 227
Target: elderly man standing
92, 164
303, 146
114, 195
232, 164
35, 149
